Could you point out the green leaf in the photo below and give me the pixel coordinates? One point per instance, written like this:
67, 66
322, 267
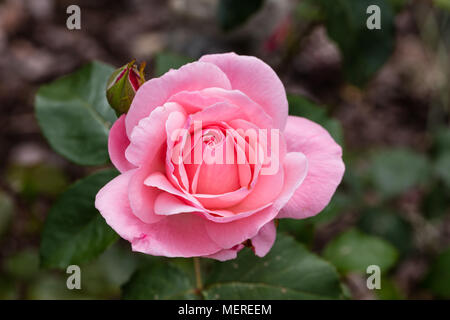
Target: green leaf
388, 225
354, 251
289, 271
395, 171
364, 51
355, 179
74, 115
301, 229
160, 281
438, 279
104, 276
74, 231
233, 13
169, 60
337, 206
303, 107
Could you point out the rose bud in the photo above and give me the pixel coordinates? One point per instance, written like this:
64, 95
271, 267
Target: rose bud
122, 86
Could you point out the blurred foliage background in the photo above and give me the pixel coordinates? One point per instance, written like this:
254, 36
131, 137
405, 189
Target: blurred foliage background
384, 95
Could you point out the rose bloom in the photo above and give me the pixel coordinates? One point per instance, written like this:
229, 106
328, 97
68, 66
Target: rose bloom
209, 158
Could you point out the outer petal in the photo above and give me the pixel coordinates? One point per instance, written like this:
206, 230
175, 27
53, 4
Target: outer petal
264, 240
142, 198
155, 92
229, 234
226, 254
181, 235
112, 202
325, 172
150, 134
117, 143
257, 80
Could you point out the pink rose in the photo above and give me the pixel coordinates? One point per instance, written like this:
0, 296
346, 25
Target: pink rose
209, 158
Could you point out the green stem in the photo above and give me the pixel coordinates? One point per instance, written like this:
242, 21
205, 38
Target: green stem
198, 274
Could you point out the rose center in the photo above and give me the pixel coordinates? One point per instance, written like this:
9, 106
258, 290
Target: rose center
212, 137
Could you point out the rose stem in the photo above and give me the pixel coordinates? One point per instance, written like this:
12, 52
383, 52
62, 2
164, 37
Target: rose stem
198, 273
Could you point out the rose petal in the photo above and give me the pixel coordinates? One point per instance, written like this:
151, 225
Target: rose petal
255, 79
226, 254
168, 204
266, 190
194, 101
197, 101
160, 181
221, 111
142, 198
117, 144
253, 111
264, 240
325, 172
181, 235
268, 184
112, 202
229, 234
156, 92
150, 134
223, 200
214, 169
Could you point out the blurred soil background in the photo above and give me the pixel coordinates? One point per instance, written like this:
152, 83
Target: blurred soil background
394, 129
